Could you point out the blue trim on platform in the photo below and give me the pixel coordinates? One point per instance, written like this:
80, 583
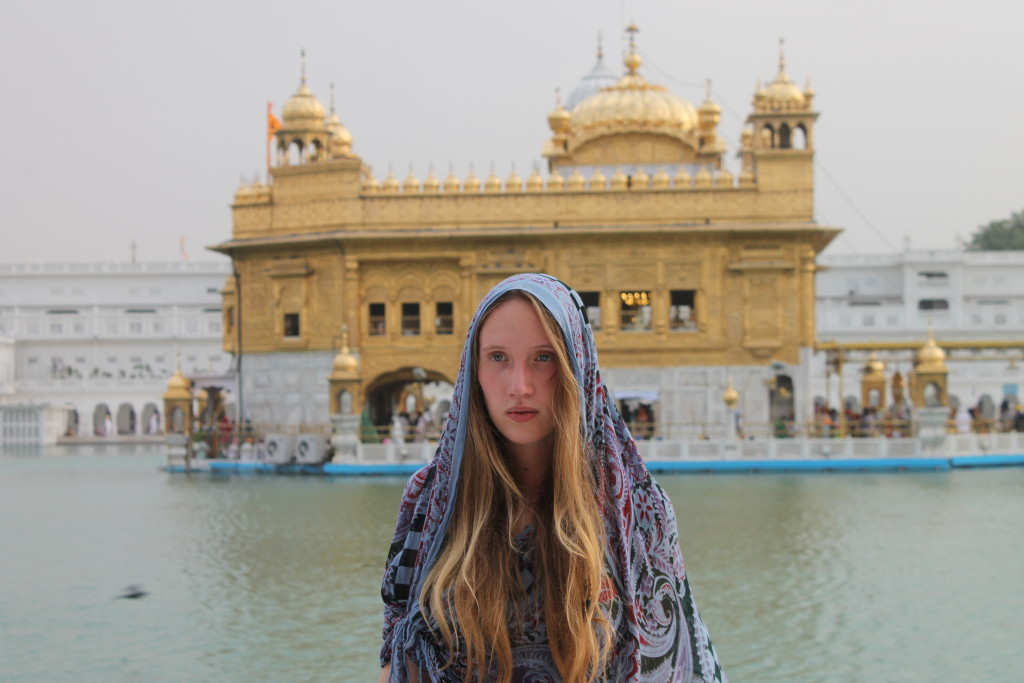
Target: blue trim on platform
837, 465
404, 469
988, 461
224, 467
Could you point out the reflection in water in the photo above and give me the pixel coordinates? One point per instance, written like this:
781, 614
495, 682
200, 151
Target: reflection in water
799, 577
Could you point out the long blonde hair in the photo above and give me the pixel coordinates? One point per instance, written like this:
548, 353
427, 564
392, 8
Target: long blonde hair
473, 588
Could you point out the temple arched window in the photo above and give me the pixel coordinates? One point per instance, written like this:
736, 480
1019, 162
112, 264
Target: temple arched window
800, 137
785, 141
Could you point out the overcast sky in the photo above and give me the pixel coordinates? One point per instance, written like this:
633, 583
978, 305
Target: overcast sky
132, 120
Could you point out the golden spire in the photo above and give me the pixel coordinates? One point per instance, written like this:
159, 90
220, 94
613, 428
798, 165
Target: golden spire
302, 67
633, 60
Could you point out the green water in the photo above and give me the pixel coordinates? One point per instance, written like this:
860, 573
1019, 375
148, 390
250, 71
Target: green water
820, 577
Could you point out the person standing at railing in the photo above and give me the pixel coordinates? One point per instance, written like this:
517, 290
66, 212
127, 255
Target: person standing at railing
536, 545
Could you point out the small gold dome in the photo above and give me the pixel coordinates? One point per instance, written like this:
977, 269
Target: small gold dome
703, 177
577, 181
178, 387
303, 110
560, 119
472, 184
431, 184
661, 181
411, 184
682, 179
709, 114
619, 179
452, 182
370, 184
874, 368
556, 183
724, 178
341, 138
390, 183
493, 183
730, 396
535, 183
640, 179
243, 194
514, 182
598, 181
345, 362
930, 357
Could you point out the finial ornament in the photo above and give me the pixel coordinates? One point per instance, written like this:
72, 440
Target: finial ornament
600, 47
344, 339
782, 55
558, 97
332, 98
709, 89
303, 65
632, 30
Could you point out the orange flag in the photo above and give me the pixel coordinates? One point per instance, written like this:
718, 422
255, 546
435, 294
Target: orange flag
273, 124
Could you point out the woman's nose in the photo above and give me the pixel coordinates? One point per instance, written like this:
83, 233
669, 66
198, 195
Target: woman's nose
520, 383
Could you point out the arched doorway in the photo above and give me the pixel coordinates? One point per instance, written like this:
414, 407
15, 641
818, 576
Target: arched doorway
151, 419
408, 393
99, 418
781, 399
126, 419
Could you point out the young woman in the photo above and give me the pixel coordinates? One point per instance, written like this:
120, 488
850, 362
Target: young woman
535, 546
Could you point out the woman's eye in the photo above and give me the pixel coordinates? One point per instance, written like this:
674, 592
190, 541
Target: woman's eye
497, 357
545, 357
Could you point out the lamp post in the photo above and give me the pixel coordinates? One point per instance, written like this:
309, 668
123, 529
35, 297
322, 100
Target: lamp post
730, 397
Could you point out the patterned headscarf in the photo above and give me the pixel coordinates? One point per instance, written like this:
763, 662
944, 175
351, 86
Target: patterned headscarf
662, 637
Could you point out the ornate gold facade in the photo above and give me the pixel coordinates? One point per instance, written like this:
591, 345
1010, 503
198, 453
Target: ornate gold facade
682, 263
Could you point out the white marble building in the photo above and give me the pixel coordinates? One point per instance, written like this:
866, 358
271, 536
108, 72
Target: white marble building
101, 338
962, 295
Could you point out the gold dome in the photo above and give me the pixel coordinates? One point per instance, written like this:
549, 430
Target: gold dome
619, 179
724, 178
782, 94
472, 184
660, 181
559, 120
411, 184
874, 368
730, 396
345, 365
370, 184
930, 357
431, 184
341, 138
493, 182
303, 110
451, 183
514, 182
390, 183
633, 105
535, 183
345, 362
556, 183
178, 387
641, 179
710, 113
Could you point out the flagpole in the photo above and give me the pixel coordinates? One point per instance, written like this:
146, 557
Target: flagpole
270, 137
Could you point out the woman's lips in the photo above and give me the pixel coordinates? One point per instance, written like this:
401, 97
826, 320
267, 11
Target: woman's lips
521, 414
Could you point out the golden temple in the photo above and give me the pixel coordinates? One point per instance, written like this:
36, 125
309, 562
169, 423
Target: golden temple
683, 265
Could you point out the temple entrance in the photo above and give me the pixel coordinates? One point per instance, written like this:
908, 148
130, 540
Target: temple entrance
781, 400
409, 404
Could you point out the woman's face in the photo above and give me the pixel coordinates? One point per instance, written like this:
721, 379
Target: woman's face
517, 369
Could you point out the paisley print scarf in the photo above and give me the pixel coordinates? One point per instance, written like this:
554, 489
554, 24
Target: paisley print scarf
661, 636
